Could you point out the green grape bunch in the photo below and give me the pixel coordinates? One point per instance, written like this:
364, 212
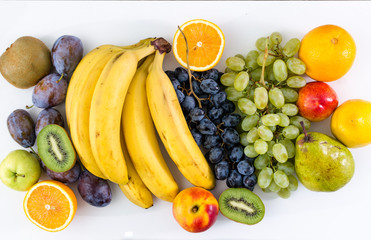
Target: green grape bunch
264, 86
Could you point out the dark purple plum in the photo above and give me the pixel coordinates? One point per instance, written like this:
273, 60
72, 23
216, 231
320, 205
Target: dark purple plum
50, 91
46, 117
22, 128
94, 190
67, 52
69, 176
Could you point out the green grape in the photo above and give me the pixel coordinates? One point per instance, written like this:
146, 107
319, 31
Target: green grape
271, 120
260, 97
262, 161
235, 63
270, 74
291, 47
284, 193
252, 135
251, 93
290, 95
287, 167
241, 81
276, 97
255, 75
273, 187
276, 38
280, 70
260, 146
250, 60
296, 122
281, 179
279, 152
227, 79
249, 122
285, 120
266, 190
261, 42
290, 147
268, 61
290, 109
240, 56
272, 128
296, 82
265, 177
243, 139
293, 185
246, 106
291, 132
233, 94
227, 70
296, 65
265, 133
250, 152
270, 147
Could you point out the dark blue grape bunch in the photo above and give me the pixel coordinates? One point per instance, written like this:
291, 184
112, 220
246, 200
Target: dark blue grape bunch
213, 124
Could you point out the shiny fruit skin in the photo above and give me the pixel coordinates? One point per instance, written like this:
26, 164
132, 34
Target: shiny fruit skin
50, 91
195, 209
22, 128
46, 117
317, 101
69, 176
351, 123
328, 52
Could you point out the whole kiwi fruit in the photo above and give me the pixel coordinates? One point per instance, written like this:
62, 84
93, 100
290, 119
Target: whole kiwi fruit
25, 62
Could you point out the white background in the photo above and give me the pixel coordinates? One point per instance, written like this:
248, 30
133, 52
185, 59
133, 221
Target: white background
344, 214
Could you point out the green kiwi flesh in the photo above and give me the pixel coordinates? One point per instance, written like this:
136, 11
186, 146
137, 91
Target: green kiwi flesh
241, 205
55, 148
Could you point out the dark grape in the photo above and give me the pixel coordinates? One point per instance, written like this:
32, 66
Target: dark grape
49, 91
211, 74
69, 176
209, 86
216, 154
211, 141
67, 52
176, 84
196, 88
249, 181
46, 117
228, 106
188, 104
22, 128
215, 113
245, 168
230, 136
222, 170
197, 136
236, 154
234, 179
196, 114
94, 190
231, 120
196, 75
170, 74
181, 74
180, 95
207, 127
218, 99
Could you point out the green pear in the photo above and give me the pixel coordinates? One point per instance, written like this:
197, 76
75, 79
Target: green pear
20, 170
322, 163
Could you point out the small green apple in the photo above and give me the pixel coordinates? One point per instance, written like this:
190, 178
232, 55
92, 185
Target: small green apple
20, 170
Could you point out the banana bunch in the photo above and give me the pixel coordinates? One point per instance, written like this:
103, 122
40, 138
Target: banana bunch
117, 98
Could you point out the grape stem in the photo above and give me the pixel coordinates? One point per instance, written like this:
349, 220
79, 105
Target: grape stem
189, 71
262, 82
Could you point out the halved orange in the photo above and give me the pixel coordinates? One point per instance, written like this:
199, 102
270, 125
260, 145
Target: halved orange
205, 43
50, 205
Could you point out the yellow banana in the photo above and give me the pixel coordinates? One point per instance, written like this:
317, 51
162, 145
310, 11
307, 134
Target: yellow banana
106, 109
141, 140
78, 101
135, 190
172, 127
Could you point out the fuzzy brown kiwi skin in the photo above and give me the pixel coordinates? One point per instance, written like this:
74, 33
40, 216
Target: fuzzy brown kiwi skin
74, 151
240, 221
25, 62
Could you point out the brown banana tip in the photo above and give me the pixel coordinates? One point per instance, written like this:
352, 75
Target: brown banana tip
161, 45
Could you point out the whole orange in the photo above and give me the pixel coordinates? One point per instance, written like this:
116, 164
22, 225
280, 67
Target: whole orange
328, 52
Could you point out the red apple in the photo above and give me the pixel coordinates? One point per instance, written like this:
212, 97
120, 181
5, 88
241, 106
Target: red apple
317, 101
195, 209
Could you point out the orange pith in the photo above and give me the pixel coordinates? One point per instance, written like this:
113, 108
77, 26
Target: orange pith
50, 205
205, 43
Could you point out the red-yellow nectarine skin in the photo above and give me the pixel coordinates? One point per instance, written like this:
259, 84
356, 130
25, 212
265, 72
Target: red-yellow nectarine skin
195, 209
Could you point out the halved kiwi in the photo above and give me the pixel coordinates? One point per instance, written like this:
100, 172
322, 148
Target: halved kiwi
55, 148
241, 205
